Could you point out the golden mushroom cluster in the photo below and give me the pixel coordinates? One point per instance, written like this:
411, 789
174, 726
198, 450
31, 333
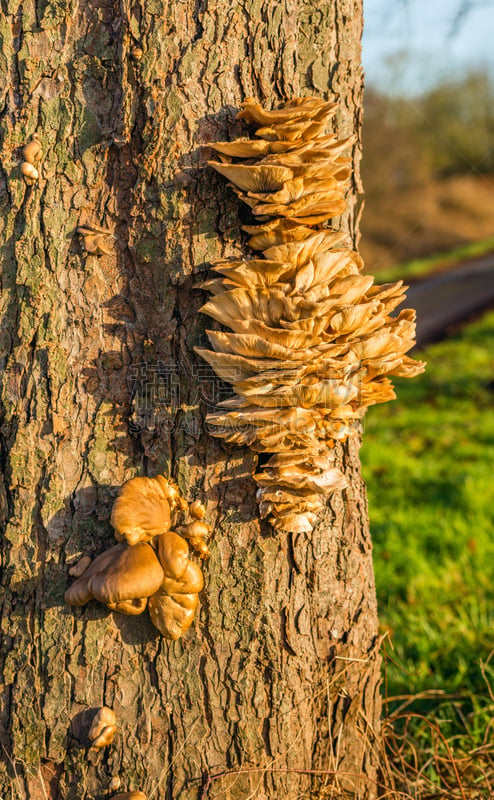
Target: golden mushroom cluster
151, 565
312, 342
32, 154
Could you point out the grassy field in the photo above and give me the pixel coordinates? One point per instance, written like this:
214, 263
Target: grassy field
428, 459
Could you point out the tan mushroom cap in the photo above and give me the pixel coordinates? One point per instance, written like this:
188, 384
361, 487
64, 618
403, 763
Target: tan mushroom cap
255, 178
29, 172
173, 606
141, 510
173, 552
103, 728
121, 575
129, 796
172, 615
32, 152
197, 510
301, 108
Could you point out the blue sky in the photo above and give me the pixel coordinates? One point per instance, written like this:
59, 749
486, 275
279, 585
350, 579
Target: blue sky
426, 30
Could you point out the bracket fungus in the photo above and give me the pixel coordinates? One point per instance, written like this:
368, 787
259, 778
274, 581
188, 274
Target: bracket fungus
312, 342
151, 565
103, 729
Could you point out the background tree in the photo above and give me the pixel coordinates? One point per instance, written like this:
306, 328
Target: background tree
274, 692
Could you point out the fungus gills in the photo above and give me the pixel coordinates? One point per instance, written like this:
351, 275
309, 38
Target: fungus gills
312, 342
150, 566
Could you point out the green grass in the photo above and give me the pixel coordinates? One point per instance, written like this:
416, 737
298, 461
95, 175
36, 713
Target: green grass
423, 266
428, 459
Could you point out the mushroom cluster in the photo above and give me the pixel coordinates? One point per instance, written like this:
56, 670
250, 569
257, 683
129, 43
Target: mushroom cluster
31, 153
312, 342
151, 565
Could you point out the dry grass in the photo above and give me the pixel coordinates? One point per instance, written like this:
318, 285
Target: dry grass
426, 219
426, 757
421, 764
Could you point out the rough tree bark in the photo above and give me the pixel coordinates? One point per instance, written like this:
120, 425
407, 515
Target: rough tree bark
276, 686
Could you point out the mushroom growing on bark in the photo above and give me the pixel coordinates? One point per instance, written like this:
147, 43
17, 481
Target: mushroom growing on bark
133, 571
143, 509
122, 578
313, 341
103, 728
172, 608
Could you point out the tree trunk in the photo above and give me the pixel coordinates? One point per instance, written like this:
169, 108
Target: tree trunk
274, 691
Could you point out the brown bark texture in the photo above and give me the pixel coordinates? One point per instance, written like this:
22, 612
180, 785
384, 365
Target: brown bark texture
274, 691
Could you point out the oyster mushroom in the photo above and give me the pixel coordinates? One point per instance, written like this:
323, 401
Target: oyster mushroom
122, 578
29, 173
103, 729
173, 606
141, 510
32, 152
312, 342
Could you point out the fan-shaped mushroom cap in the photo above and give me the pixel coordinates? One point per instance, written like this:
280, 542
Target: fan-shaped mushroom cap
141, 510
255, 178
119, 576
264, 236
299, 109
134, 573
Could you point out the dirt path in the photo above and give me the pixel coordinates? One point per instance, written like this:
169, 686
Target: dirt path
450, 297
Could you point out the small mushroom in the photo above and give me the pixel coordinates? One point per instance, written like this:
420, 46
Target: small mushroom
103, 729
95, 239
137, 52
29, 173
94, 243
32, 152
197, 510
129, 796
79, 569
195, 532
